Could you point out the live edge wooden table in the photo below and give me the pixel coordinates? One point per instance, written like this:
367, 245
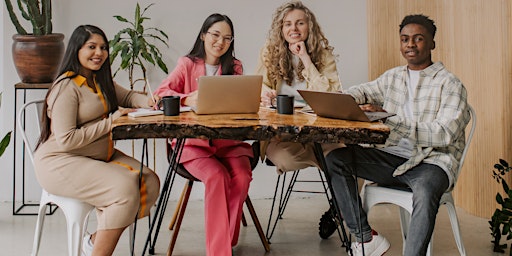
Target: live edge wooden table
264, 125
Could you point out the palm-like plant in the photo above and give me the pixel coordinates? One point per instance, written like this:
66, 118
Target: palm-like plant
7, 138
132, 46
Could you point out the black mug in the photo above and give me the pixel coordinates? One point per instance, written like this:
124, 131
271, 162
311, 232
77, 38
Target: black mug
171, 105
284, 104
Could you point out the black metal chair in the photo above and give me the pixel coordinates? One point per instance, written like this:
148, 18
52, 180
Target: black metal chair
329, 222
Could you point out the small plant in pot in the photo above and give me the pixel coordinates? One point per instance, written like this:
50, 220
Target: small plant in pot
134, 46
36, 55
501, 220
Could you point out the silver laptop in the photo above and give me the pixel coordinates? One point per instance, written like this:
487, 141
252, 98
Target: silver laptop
228, 94
339, 106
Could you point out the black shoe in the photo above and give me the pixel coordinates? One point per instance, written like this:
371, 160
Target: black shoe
328, 223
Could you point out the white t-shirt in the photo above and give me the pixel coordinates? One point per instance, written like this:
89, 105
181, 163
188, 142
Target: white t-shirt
211, 70
405, 146
296, 84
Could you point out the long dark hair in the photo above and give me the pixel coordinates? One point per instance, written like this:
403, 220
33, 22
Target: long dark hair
71, 63
227, 59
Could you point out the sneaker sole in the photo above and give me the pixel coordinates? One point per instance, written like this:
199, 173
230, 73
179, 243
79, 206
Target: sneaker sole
381, 250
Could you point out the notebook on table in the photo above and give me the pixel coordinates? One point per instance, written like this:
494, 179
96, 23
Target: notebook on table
145, 112
339, 106
228, 94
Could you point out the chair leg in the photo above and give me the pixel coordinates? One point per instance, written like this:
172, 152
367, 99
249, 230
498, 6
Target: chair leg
272, 208
405, 218
177, 210
256, 221
131, 238
452, 213
39, 229
181, 214
283, 201
244, 221
76, 223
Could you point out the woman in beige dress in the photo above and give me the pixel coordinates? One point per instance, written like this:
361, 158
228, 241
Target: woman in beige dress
75, 156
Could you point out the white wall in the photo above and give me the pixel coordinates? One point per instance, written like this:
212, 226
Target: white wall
343, 22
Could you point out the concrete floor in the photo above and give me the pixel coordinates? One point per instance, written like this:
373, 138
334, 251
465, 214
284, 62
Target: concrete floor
296, 233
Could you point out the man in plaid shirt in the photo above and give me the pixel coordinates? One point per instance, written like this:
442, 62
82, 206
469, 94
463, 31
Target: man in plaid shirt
424, 146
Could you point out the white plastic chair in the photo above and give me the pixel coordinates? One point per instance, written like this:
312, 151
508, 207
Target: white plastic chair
75, 211
373, 194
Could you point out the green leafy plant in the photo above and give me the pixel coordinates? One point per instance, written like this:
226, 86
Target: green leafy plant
501, 220
7, 138
38, 12
133, 46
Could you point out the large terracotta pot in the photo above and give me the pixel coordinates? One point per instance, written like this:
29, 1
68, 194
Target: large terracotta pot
37, 58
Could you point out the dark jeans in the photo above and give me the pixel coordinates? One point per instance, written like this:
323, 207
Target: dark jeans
428, 183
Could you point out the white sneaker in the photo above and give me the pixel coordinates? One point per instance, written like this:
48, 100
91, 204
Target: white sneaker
87, 245
376, 247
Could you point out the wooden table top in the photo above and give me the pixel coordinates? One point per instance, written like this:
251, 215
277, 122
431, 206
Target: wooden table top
264, 125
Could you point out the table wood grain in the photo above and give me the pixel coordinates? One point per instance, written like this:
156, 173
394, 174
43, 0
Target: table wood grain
264, 125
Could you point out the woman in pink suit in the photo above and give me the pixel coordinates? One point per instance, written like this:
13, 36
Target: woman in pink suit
222, 165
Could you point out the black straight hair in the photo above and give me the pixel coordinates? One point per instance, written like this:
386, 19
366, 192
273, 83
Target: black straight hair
70, 62
227, 60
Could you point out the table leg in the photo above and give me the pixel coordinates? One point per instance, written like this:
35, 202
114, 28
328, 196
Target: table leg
164, 197
319, 153
144, 159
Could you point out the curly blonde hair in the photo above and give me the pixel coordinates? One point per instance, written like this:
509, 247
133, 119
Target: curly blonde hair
278, 59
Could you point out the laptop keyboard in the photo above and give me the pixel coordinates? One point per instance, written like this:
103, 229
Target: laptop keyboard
376, 115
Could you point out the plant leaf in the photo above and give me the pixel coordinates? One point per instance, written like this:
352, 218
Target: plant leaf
122, 19
499, 199
132, 46
5, 142
147, 7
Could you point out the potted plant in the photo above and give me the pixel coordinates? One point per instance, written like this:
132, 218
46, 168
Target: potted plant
501, 220
133, 46
36, 55
7, 138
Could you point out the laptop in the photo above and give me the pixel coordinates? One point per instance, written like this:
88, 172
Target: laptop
228, 94
339, 106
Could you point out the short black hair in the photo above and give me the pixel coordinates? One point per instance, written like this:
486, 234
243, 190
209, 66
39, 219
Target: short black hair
419, 19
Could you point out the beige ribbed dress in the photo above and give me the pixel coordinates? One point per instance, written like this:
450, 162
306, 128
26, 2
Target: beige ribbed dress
78, 160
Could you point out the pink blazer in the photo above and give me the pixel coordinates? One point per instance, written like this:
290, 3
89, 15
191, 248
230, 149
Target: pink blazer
181, 82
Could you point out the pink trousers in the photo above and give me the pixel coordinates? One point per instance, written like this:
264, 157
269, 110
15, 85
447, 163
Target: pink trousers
226, 182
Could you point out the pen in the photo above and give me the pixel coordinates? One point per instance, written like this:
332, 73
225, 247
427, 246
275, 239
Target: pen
149, 90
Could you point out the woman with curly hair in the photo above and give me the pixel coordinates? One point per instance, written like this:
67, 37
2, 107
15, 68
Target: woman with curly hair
296, 56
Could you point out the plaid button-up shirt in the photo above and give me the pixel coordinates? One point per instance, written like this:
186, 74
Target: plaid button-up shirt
440, 115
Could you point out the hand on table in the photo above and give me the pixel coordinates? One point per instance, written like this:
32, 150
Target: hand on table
267, 97
191, 99
153, 102
371, 108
